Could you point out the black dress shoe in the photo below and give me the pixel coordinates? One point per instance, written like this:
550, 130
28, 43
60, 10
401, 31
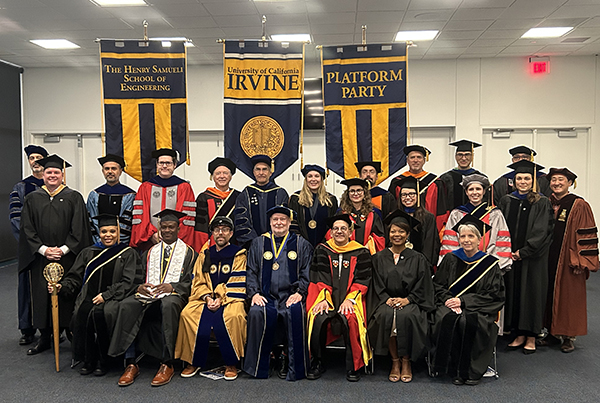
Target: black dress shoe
87, 368
473, 382
42, 345
26, 339
458, 381
528, 351
283, 366
352, 376
316, 370
100, 370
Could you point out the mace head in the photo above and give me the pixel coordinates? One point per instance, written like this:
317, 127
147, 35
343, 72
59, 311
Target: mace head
53, 272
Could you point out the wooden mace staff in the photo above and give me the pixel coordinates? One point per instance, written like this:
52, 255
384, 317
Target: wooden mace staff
53, 272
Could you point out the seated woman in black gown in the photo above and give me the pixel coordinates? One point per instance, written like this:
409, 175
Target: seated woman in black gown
469, 293
400, 298
102, 275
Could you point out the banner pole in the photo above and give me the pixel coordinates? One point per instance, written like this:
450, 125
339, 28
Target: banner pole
145, 24
408, 45
302, 111
364, 34
264, 28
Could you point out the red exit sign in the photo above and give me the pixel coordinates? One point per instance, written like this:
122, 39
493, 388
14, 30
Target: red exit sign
539, 65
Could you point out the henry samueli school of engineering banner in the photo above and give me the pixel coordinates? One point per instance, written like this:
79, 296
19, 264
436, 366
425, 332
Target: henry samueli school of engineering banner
145, 101
263, 101
364, 97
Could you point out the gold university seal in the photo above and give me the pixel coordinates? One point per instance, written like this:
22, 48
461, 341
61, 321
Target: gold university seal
268, 255
262, 135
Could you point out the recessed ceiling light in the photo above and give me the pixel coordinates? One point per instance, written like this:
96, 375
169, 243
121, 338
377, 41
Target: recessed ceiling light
291, 37
55, 43
546, 32
416, 35
119, 3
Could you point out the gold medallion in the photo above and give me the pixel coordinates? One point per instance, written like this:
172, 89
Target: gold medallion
262, 135
292, 255
275, 266
268, 255
312, 224
213, 268
225, 269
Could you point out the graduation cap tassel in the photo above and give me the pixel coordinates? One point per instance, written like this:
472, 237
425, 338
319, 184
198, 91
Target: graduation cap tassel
418, 194
472, 156
574, 183
64, 181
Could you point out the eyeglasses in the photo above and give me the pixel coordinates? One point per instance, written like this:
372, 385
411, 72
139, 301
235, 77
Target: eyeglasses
356, 191
408, 195
165, 163
225, 230
464, 155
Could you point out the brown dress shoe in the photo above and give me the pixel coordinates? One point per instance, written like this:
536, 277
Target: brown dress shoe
567, 345
230, 373
189, 371
163, 376
129, 375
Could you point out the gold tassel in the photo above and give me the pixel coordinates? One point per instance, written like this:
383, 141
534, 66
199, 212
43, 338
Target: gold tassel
210, 177
272, 165
64, 181
426, 155
418, 194
574, 183
472, 155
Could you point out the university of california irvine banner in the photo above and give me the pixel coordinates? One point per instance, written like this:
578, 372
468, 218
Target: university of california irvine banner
145, 101
263, 83
364, 97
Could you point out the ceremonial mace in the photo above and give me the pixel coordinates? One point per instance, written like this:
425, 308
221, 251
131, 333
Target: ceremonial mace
53, 272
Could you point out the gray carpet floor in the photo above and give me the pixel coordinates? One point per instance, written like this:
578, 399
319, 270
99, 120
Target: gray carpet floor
547, 376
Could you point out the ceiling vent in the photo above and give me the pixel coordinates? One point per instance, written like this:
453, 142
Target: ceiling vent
574, 40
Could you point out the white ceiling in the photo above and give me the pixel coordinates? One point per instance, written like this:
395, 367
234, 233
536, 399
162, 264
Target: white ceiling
468, 28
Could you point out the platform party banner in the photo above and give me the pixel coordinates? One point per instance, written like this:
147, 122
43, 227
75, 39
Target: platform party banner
145, 101
364, 97
263, 102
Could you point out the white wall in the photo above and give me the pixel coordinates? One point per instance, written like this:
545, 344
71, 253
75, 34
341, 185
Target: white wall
466, 96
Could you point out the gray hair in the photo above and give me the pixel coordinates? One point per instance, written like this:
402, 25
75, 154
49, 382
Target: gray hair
469, 227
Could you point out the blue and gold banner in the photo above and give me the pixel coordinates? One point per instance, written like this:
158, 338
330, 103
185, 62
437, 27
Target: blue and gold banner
364, 97
144, 90
263, 102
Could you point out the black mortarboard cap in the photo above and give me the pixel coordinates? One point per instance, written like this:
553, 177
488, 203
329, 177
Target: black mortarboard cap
375, 164
220, 221
112, 158
221, 162
408, 182
415, 147
35, 149
169, 215
105, 220
522, 150
164, 151
465, 145
525, 166
562, 171
261, 158
401, 216
313, 167
281, 210
53, 161
471, 219
355, 182
343, 217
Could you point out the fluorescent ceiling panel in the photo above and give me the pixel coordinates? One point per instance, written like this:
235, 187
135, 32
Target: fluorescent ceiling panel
546, 32
119, 3
416, 35
291, 37
55, 43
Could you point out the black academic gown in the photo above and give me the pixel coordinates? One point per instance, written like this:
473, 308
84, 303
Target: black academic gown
51, 221
475, 327
317, 213
110, 271
505, 185
409, 278
531, 227
153, 325
425, 239
455, 193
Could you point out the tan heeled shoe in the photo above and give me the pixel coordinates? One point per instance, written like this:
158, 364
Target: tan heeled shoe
406, 375
395, 371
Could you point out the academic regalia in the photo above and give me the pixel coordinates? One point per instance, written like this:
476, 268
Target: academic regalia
464, 342
98, 269
114, 200
506, 184
156, 195
52, 221
424, 237
383, 200
336, 275
305, 215
16, 199
455, 193
496, 242
409, 277
432, 194
251, 208
531, 227
369, 232
153, 323
220, 274
211, 203
276, 277
574, 245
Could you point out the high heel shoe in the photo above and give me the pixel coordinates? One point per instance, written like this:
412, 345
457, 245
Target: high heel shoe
395, 371
406, 375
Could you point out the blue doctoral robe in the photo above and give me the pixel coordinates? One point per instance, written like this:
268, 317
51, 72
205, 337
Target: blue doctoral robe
276, 285
251, 208
115, 200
